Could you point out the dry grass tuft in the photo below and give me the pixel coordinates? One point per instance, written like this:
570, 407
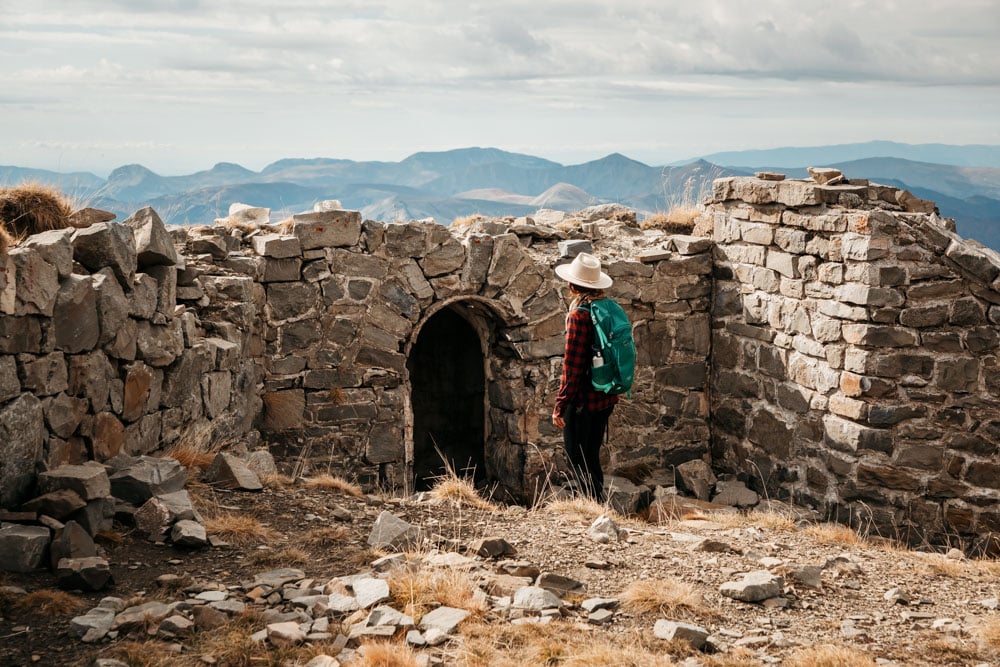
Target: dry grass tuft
931, 564
664, 597
49, 602
284, 557
328, 536
231, 643
828, 655
462, 491
191, 457
765, 520
276, 480
834, 533
678, 220
465, 221
240, 529
151, 653
385, 654
31, 208
989, 632
580, 508
416, 593
109, 537
6, 240
560, 643
334, 483
741, 657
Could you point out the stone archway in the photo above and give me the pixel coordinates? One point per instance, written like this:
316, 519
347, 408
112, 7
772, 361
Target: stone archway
449, 373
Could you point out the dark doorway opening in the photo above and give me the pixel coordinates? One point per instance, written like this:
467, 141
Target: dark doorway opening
448, 395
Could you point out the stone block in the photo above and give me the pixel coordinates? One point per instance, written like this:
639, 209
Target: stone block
795, 193
23, 548
281, 270
22, 435
88, 574
216, 390
56, 504
849, 436
71, 541
55, 247
391, 532
288, 300
695, 635
327, 229
782, 262
975, 262
75, 319
107, 244
960, 375
878, 336
153, 243
166, 289
112, 305
89, 481
147, 477
34, 284
754, 587
278, 246
887, 477
230, 472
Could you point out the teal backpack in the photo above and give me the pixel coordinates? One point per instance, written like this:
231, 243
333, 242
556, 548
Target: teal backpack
614, 348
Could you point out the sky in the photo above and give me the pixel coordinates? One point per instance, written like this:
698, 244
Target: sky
179, 85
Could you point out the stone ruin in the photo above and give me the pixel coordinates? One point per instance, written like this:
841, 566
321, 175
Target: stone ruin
831, 343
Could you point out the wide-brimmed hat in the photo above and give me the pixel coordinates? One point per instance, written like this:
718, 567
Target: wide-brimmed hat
584, 271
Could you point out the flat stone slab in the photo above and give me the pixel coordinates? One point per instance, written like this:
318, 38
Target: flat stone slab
445, 619
534, 598
89, 481
391, 532
22, 548
369, 591
754, 587
671, 630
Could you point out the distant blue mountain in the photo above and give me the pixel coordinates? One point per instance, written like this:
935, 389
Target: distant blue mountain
460, 182
824, 156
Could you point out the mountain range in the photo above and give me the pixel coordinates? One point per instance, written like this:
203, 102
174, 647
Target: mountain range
449, 184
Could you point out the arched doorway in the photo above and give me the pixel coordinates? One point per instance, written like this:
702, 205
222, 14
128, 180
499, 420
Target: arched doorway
447, 372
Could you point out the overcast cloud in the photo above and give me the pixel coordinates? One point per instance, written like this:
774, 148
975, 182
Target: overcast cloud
180, 84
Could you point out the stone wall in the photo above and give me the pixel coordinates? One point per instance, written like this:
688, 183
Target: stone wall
97, 359
342, 303
855, 356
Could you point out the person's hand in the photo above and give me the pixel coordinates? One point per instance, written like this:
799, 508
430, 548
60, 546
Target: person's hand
558, 420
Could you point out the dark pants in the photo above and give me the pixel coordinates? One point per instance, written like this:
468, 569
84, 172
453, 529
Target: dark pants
582, 437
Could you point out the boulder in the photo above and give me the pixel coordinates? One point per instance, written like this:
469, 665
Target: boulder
492, 547
87, 574
533, 598
696, 478
188, 533
754, 587
734, 494
604, 530
107, 244
695, 635
230, 472
89, 481
153, 243
23, 548
57, 504
71, 541
146, 477
391, 532
92, 626
22, 434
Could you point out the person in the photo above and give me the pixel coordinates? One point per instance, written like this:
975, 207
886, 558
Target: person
581, 411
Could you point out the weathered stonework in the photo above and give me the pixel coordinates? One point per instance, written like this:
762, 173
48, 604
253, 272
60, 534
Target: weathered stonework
855, 357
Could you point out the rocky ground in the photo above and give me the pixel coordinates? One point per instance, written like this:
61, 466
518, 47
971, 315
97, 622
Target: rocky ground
460, 582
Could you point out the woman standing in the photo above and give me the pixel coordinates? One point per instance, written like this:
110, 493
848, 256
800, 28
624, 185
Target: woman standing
581, 411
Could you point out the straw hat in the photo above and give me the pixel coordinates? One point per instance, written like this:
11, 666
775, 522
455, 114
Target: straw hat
584, 271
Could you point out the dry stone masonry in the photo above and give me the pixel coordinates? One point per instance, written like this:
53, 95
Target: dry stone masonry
833, 342
854, 355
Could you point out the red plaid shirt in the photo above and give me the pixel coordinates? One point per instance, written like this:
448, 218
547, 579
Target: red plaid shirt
574, 385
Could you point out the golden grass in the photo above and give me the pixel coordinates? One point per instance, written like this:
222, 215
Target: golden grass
580, 508
191, 457
48, 602
276, 480
416, 593
834, 533
384, 654
828, 655
989, 632
741, 657
334, 483
678, 220
764, 520
664, 597
467, 220
562, 644
240, 529
460, 490
284, 557
31, 208
931, 564
327, 536
109, 537
150, 653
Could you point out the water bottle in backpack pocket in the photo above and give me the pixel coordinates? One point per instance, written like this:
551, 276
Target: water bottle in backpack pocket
614, 348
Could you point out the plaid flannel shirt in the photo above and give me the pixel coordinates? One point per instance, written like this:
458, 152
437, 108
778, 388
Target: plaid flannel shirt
574, 385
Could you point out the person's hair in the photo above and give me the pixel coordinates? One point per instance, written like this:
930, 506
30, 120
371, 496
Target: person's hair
586, 292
